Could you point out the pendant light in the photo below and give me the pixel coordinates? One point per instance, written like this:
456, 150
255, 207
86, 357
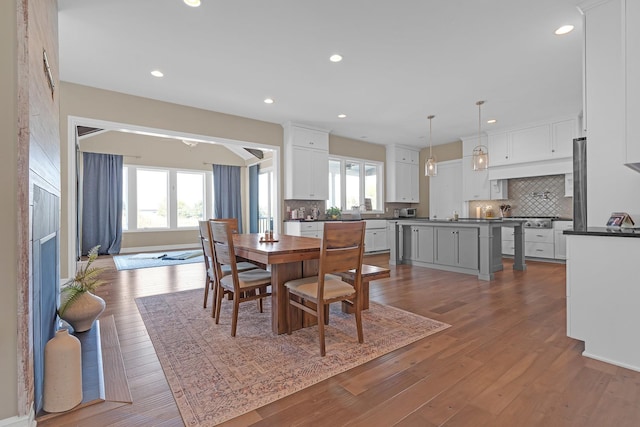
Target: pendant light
430, 166
480, 151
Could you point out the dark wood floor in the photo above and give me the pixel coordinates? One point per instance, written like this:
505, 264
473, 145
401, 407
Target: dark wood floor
506, 361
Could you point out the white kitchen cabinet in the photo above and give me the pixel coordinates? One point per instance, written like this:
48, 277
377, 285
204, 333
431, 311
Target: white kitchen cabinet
402, 175
475, 184
419, 244
530, 144
456, 247
538, 243
534, 142
559, 239
306, 163
498, 189
445, 190
499, 149
304, 229
375, 238
632, 71
508, 241
562, 134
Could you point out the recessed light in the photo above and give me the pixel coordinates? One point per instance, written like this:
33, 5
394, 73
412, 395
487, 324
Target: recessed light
342, 116
157, 73
269, 101
335, 58
491, 121
192, 3
564, 30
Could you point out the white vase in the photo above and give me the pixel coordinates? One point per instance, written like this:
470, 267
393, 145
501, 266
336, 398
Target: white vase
84, 311
62, 373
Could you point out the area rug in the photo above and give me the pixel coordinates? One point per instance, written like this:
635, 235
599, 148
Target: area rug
158, 259
215, 377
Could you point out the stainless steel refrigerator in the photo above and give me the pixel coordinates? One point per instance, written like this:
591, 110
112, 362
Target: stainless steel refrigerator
580, 184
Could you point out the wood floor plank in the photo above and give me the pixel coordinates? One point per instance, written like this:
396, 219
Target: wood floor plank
505, 361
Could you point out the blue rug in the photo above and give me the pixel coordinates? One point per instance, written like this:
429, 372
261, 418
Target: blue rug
159, 259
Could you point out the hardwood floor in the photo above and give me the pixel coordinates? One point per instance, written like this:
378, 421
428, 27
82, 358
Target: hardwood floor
505, 361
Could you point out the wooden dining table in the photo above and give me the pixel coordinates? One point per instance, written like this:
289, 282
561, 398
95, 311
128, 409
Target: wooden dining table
288, 258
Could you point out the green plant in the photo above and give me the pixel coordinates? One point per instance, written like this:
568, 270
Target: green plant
86, 280
333, 212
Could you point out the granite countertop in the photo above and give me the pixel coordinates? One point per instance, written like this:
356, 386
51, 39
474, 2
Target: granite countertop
606, 232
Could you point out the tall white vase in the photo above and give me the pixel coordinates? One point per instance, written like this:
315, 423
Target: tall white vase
84, 311
62, 373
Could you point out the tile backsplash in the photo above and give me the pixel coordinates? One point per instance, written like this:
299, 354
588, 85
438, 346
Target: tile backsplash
533, 196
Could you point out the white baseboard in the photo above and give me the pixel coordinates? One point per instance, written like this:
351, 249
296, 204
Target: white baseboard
159, 249
611, 361
24, 421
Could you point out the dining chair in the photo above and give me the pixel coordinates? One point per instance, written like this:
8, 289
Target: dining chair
246, 285
342, 250
210, 272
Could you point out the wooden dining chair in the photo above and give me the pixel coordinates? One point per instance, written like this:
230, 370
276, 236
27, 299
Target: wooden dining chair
342, 251
246, 285
210, 271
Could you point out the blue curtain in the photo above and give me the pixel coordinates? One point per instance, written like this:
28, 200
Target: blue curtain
227, 193
102, 202
254, 211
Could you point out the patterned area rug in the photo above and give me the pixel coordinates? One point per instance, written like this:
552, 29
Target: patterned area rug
215, 377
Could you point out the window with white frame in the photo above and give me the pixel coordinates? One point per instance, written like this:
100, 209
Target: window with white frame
354, 181
164, 199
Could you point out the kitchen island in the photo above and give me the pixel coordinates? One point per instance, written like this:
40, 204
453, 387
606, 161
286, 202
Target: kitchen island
470, 246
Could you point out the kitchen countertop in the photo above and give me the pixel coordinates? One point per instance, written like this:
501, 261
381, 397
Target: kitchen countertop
606, 232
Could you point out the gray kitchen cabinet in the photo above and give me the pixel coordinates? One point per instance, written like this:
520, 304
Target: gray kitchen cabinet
456, 247
419, 244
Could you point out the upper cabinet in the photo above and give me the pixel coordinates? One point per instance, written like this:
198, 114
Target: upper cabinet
402, 174
632, 63
538, 142
306, 163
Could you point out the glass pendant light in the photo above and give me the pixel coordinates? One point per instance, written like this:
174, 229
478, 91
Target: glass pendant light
480, 152
430, 167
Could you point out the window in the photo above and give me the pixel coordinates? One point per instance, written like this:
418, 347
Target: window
152, 196
355, 182
164, 199
266, 200
190, 198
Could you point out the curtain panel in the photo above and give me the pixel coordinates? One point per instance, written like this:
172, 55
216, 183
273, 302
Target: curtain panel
102, 202
227, 193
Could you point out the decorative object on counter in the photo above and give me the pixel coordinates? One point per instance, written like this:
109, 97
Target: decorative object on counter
488, 211
480, 151
333, 213
505, 210
620, 220
430, 167
79, 306
367, 204
455, 215
62, 372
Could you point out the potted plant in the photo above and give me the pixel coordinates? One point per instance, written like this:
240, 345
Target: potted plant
333, 212
78, 305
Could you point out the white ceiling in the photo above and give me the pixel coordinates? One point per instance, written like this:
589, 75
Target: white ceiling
403, 60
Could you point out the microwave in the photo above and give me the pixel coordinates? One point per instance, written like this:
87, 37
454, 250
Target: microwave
407, 213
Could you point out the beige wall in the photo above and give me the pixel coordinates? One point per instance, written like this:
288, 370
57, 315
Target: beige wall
8, 209
340, 146
442, 153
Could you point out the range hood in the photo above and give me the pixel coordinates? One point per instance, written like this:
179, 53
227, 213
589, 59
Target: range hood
524, 170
